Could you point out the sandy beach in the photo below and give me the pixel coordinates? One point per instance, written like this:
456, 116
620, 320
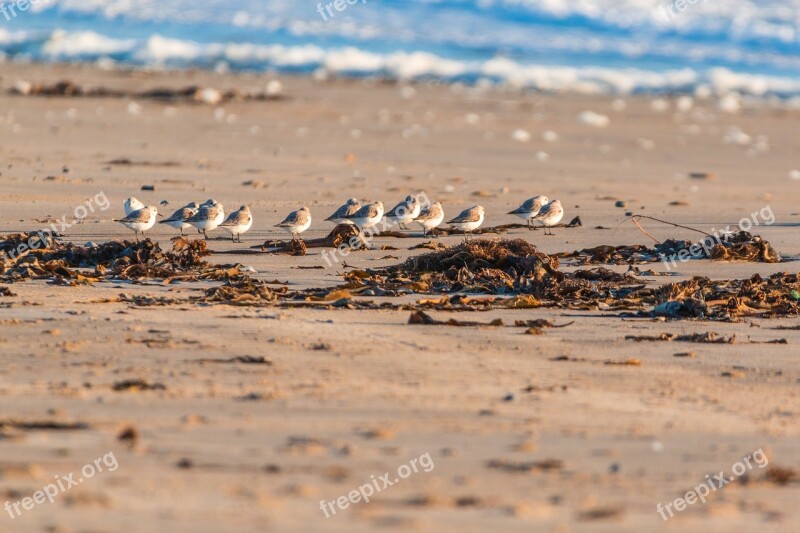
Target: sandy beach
573, 429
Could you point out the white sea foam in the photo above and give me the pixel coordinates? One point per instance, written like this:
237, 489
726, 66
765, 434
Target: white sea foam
84, 43
588, 46
162, 51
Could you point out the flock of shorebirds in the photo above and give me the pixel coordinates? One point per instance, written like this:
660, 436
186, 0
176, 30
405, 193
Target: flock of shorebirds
210, 215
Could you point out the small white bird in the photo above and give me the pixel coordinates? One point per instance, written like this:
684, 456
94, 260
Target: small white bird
140, 220
297, 222
405, 212
178, 219
208, 217
238, 222
349, 208
530, 208
550, 215
430, 218
469, 219
131, 205
368, 216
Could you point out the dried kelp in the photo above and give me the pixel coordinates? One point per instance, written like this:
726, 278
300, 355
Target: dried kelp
514, 467
534, 327
136, 385
68, 263
42, 425
342, 234
242, 292
486, 275
475, 275
422, 318
239, 359
190, 94
16, 244
705, 338
741, 246
708, 337
700, 297
515, 274
513, 269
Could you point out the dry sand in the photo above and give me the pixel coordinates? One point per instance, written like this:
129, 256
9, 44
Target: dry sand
352, 394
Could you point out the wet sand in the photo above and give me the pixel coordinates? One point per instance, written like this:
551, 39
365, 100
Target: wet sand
521, 439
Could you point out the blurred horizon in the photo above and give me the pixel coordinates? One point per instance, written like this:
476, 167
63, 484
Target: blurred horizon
589, 46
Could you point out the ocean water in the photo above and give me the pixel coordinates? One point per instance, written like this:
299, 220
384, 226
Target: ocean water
591, 46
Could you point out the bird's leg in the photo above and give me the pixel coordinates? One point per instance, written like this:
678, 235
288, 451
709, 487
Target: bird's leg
205, 235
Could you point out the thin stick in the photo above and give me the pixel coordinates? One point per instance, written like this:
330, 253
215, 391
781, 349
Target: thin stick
643, 230
634, 218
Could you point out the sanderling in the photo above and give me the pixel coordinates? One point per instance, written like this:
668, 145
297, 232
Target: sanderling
469, 219
530, 208
367, 216
238, 222
430, 217
131, 205
208, 217
349, 208
297, 222
178, 219
405, 212
550, 215
140, 220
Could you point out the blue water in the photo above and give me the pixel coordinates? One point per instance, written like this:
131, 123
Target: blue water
618, 46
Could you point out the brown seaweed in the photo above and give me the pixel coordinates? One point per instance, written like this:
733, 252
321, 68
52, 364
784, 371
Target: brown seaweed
189, 94
741, 246
70, 264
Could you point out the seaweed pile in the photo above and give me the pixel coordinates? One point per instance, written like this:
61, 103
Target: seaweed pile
741, 246
42, 257
341, 234
700, 297
242, 292
476, 275
508, 268
520, 276
189, 94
